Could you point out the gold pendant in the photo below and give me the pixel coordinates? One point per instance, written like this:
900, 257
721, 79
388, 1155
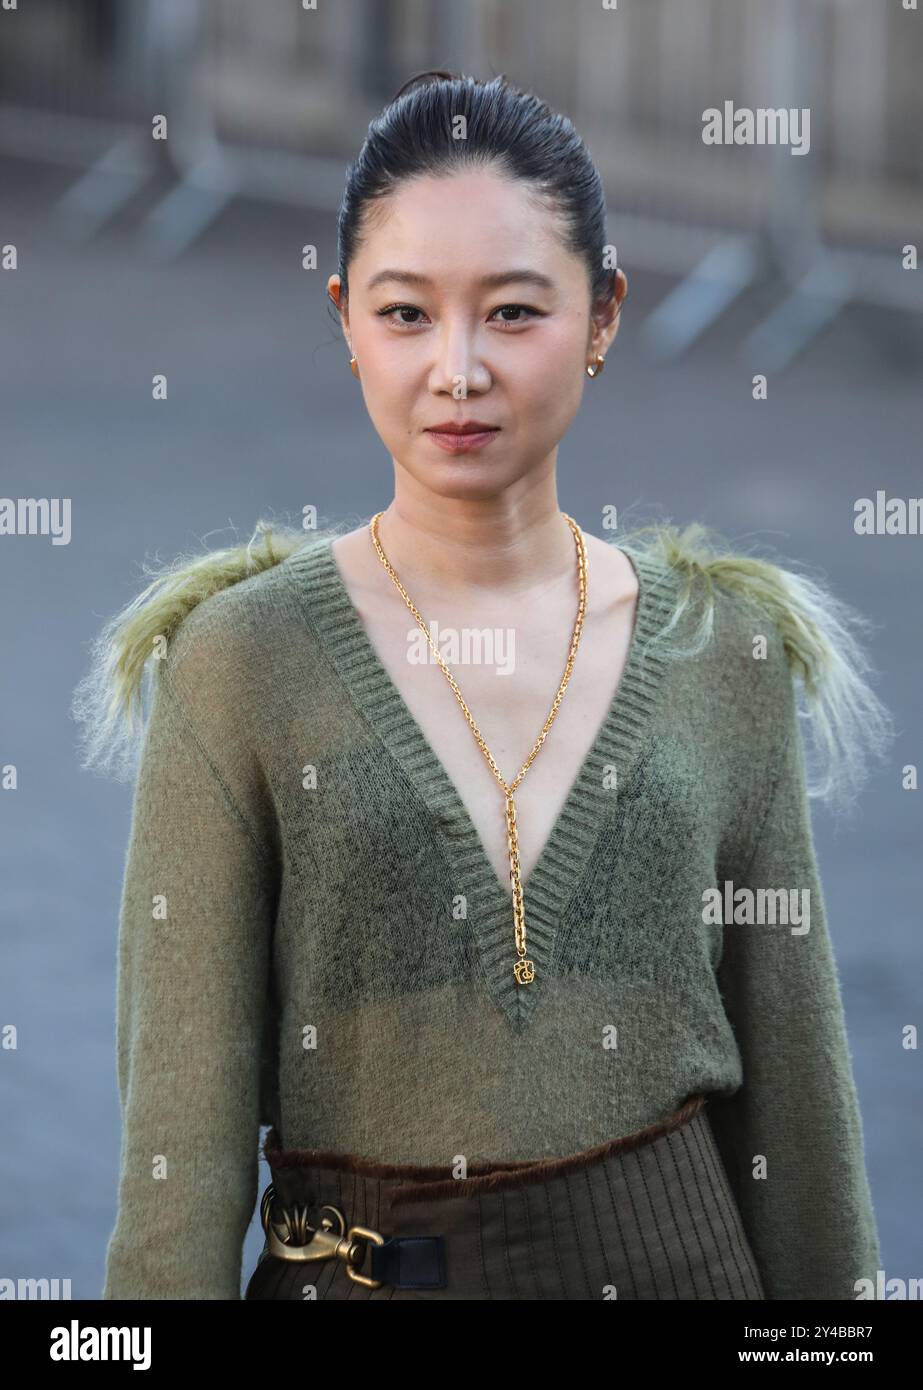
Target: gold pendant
524, 970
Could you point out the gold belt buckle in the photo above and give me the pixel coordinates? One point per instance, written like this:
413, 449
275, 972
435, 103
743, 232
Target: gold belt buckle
329, 1240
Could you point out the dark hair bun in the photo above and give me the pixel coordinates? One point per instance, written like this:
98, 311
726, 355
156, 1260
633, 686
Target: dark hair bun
432, 74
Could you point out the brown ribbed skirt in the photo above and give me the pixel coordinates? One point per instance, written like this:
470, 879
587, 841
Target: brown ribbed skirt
646, 1216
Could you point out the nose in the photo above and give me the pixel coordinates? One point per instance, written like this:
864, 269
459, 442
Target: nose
458, 365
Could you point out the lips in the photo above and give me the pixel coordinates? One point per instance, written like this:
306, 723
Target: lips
462, 437
469, 427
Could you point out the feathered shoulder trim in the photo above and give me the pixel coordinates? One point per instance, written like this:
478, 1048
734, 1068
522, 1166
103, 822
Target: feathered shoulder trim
108, 702
821, 635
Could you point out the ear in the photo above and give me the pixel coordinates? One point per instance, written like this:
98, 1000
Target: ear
339, 301
604, 322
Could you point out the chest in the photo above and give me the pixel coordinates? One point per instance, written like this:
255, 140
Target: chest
508, 671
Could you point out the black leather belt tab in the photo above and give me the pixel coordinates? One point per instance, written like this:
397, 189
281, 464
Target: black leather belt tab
410, 1262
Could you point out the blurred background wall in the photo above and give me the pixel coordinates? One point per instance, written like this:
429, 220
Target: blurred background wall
135, 256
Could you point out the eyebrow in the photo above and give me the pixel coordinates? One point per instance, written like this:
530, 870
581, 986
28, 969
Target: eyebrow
488, 282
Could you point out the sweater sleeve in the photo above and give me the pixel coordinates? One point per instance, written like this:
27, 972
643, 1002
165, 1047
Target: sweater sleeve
194, 943
806, 1207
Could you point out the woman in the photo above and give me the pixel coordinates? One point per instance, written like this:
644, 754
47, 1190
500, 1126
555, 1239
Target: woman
515, 1036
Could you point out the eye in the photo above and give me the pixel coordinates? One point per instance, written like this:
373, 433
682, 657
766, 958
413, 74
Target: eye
395, 308
523, 307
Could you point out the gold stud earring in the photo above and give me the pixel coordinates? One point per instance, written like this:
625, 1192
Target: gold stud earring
593, 369
354, 366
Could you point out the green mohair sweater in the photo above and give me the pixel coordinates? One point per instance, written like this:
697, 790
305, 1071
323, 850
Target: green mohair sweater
291, 950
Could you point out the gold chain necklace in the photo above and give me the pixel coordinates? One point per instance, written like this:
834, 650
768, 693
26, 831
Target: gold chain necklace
524, 969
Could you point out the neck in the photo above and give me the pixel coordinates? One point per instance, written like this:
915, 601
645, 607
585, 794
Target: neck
468, 548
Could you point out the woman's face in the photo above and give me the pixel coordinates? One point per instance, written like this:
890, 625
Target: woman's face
461, 336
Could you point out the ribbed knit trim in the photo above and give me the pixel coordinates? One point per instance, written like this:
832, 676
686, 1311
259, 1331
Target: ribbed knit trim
589, 805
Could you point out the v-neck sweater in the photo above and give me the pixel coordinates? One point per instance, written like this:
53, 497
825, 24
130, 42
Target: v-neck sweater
312, 937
